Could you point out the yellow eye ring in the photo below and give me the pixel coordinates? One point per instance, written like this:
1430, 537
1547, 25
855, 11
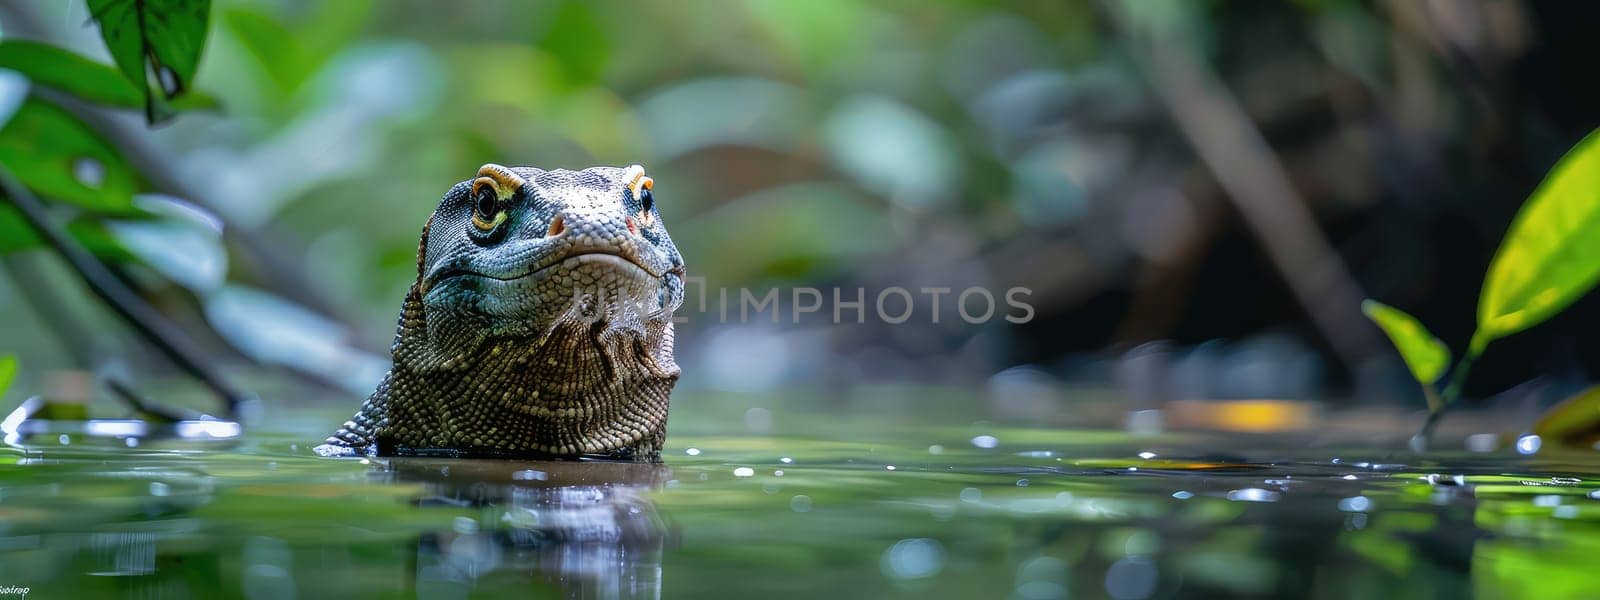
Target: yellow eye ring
487, 226
486, 213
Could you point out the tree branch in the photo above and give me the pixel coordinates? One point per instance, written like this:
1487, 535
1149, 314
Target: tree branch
1252, 177
144, 319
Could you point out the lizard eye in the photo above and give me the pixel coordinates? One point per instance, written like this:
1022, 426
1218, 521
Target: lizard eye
647, 202
486, 213
640, 185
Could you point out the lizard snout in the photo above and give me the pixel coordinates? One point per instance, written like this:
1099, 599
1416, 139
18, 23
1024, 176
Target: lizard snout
558, 225
593, 228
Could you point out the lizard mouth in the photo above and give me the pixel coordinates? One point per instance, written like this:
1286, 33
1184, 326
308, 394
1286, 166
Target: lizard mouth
617, 259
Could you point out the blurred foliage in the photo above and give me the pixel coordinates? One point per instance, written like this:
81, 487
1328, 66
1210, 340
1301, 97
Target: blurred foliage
803, 143
1551, 255
8, 372
818, 144
62, 69
1425, 355
154, 39
1549, 258
63, 159
60, 158
1575, 421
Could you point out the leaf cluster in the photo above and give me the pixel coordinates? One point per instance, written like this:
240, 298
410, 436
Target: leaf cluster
1548, 259
156, 46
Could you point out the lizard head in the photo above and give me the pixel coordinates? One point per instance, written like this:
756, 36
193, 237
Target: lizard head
523, 254
540, 323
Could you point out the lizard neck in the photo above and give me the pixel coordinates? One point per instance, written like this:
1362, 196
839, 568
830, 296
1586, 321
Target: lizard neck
581, 389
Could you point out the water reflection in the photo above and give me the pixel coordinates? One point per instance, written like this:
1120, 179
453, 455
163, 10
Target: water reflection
587, 528
763, 517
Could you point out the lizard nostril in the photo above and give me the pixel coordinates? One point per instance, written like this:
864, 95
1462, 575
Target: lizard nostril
633, 227
557, 225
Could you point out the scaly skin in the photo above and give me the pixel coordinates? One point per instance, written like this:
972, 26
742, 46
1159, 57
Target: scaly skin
540, 324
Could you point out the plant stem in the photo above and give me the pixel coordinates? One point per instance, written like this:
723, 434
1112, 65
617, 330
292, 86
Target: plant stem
76, 340
1452, 391
1434, 403
145, 319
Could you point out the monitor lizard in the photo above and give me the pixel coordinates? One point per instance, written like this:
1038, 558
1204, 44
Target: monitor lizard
539, 325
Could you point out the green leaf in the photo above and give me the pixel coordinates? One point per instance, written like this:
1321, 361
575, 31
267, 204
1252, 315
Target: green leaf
75, 74
1551, 255
16, 234
60, 158
1575, 420
1425, 355
166, 36
8, 372
69, 72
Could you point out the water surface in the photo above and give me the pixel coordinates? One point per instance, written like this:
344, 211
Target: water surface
874, 510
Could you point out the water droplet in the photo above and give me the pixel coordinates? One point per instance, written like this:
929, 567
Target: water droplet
1253, 495
131, 442
1547, 500
529, 475
889, 467
1349, 477
1183, 494
915, 558
786, 460
778, 473
1595, 494
800, 503
1437, 479
985, 441
744, 472
1358, 504
692, 452
1022, 483
64, 440
935, 449
971, 494
159, 489
1147, 455
1529, 444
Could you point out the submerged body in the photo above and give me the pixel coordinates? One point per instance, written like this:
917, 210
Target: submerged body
540, 324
